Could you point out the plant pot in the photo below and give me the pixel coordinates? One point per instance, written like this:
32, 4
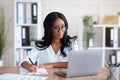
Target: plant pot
32, 43
1, 62
90, 43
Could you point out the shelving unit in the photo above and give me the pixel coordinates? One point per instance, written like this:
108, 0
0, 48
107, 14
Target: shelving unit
113, 36
103, 39
27, 25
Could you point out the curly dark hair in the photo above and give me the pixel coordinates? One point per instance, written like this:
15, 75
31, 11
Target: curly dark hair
47, 38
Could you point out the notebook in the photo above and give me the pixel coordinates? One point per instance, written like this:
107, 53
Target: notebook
83, 63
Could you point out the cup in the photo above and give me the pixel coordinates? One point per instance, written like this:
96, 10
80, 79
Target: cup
113, 73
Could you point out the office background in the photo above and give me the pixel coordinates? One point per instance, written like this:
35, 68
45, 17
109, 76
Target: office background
73, 10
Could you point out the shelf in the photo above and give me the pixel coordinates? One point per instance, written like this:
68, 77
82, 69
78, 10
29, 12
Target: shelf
27, 1
26, 24
95, 48
108, 48
26, 47
106, 25
105, 48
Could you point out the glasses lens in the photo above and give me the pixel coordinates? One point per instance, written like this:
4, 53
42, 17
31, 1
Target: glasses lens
63, 28
57, 28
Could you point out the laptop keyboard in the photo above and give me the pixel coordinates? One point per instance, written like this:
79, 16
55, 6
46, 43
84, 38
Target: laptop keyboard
62, 73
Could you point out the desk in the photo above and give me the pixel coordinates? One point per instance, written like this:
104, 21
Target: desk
52, 76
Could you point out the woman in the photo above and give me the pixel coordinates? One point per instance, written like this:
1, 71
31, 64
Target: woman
53, 49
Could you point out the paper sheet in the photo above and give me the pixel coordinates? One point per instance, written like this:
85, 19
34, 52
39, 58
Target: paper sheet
10, 76
39, 71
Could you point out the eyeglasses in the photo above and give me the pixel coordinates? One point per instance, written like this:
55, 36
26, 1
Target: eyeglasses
57, 28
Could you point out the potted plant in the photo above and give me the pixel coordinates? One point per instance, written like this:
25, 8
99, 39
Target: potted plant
2, 28
88, 31
32, 41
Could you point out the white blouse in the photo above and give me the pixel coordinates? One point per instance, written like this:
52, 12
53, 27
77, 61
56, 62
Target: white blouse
48, 55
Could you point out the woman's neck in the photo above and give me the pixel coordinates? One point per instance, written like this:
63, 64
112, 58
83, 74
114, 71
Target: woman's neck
56, 42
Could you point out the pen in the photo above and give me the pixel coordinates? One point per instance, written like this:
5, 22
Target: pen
31, 61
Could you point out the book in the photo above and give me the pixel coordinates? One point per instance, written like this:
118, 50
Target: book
118, 57
34, 13
21, 52
28, 13
115, 42
20, 13
18, 40
109, 37
17, 57
25, 36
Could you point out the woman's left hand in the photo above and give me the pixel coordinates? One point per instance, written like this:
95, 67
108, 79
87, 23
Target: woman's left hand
47, 65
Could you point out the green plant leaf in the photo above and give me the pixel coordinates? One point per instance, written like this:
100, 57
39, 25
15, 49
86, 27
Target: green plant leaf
89, 31
2, 29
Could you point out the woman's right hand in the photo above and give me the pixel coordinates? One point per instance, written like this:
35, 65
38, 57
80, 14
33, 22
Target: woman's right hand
32, 68
29, 67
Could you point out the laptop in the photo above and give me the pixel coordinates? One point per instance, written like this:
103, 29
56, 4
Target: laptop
83, 63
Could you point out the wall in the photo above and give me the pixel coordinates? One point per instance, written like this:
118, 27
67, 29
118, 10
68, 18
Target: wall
9, 42
74, 10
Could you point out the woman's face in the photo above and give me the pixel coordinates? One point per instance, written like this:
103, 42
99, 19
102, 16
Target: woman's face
58, 29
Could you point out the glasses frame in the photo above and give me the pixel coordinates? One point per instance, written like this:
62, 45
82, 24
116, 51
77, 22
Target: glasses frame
57, 28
